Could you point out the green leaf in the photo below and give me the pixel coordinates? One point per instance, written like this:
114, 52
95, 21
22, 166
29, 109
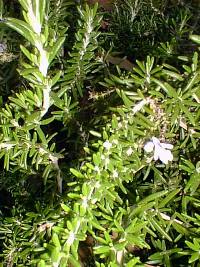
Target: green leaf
141, 65
19, 102
173, 74
41, 10
29, 55
168, 198
140, 209
55, 79
133, 262
135, 228
41, 263
47, 121
194, 246
97, 225
94, 133
73, 262
128, 103
159, 228
195, 38
24, 4
118, 226
187, 113
56, 47
153, 197
102, 249
76, 173
22, 28
167, 88
193, 183
41, 136
180, 229
192, 81
55, 255
7, 160
195, 256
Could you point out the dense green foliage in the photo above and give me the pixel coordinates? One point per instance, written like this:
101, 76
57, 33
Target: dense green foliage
100, 165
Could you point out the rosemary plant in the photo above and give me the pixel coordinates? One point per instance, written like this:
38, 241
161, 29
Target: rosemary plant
131, 195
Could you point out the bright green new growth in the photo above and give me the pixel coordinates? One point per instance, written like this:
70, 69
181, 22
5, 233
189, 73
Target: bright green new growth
134, 186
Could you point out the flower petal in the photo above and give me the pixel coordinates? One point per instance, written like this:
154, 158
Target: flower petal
107, 145
156, 153
168, 146
148, 147
155, 140
165, 155
129, 151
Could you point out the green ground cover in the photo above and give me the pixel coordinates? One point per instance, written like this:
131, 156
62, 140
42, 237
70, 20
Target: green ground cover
99, 133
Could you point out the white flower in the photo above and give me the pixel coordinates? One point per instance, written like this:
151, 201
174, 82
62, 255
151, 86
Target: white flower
15, 123
103, 157
149, 146
115, 174
107, 145
97, 184
85, 202
129, 151
96, 168
42, 151
7, 146
120, 125
161, 150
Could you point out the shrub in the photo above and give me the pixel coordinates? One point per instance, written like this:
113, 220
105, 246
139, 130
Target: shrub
130, 194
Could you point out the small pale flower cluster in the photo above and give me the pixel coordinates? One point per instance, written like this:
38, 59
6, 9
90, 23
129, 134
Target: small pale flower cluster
123, 124
15, 123
7, 146
107, 145
120, 125
115, 174
161, 150
129, 151
96, 168
85, 202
